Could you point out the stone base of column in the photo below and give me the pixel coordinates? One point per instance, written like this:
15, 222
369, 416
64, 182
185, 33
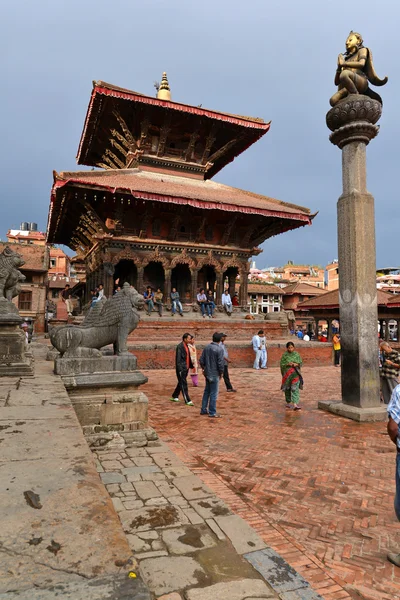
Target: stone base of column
15, 359
355, 413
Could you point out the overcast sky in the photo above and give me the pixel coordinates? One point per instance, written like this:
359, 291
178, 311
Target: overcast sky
273, 59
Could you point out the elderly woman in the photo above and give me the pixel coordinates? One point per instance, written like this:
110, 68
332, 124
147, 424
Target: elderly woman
292, 380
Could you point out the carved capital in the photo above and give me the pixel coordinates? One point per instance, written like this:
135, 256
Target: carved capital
354, 120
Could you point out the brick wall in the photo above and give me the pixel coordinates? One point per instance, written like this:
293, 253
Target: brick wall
162, 356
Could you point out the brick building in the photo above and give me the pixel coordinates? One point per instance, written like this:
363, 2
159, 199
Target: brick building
332, 275
264, 298
296, 293
31, 302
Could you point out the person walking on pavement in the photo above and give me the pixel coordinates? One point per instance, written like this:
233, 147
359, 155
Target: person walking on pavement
336, 349
183, 363
212, 364
256, 341
229, 386
389, 371
194, 376
393, 410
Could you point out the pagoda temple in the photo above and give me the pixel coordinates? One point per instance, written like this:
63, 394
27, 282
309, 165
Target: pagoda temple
149, 211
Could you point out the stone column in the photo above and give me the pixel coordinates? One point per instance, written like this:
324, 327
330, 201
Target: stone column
330, 334
398, 330
316, 328
352, 122
387, 330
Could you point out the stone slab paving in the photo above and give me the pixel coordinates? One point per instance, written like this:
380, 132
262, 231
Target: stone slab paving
59, 534
317, 488
188, 543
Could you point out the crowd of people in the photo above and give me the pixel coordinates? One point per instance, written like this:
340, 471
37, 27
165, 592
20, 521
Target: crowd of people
214, 365
205, 300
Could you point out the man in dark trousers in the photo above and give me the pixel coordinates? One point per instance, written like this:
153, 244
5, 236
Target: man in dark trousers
212, 362
229, 386
183, 363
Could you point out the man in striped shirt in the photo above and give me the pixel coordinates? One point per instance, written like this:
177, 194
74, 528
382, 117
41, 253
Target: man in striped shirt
389, 371
393, 410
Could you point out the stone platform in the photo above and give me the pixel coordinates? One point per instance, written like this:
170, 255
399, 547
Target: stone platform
61, 537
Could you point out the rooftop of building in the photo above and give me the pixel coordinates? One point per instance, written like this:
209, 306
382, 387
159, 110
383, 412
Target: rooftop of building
115, 134
264, 288
36, 257
331, 300
303, 289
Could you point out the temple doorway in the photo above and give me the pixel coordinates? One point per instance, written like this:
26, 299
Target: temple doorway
206, 278
181, 279
126, 272
154, 276
229, 278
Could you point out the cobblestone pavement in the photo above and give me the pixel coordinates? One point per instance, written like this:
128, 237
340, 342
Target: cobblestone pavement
318, 488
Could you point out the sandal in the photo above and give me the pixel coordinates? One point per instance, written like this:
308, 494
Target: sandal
297, 408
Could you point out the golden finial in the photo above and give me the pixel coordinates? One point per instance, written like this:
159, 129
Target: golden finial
164, 92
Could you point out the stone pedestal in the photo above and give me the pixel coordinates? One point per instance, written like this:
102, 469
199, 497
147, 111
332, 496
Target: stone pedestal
352, 122
15, 360
106, 397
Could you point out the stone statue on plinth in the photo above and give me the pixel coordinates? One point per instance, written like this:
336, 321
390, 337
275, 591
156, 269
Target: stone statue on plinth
352, 121
108, 322
14, 360
355, 70
104, 388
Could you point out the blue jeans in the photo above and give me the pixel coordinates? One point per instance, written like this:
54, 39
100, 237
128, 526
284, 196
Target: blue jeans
203, 307
175, 304
211, 307
397, 496
149, 305
263, 358
209, 402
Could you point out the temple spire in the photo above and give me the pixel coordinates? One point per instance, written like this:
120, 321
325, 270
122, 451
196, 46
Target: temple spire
164, 91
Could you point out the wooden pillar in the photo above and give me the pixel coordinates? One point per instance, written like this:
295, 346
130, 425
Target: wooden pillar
316, 329
140, 280
220, 288
167, 287
108, 279
387, 330
243, 296
194, 273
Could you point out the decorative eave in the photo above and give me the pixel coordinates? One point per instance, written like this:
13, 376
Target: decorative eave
251, 128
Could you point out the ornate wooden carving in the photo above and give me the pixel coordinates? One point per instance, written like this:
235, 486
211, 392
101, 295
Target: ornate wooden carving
190, 149
174, 227
233, 261
156, 256
125, 129
209, 143
125, 254
228, 231
164, 131
121, 138
222, 151
144, 130
209, 259
200, 230
184, 259
114, 158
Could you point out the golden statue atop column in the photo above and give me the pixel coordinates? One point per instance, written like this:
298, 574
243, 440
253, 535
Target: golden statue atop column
355, 71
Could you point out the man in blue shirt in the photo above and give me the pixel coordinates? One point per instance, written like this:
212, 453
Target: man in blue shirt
212, 362
393, 410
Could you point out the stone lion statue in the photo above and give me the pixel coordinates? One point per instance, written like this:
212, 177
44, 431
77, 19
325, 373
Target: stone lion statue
10, 277
108, 322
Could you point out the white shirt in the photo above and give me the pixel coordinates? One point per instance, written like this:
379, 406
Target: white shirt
226, 299
263, 342
306, 338
256, 341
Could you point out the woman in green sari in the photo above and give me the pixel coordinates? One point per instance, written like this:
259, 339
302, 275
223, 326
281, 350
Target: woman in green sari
292, 380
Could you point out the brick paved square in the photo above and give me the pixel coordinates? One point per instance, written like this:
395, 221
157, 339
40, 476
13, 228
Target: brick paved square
317, 488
